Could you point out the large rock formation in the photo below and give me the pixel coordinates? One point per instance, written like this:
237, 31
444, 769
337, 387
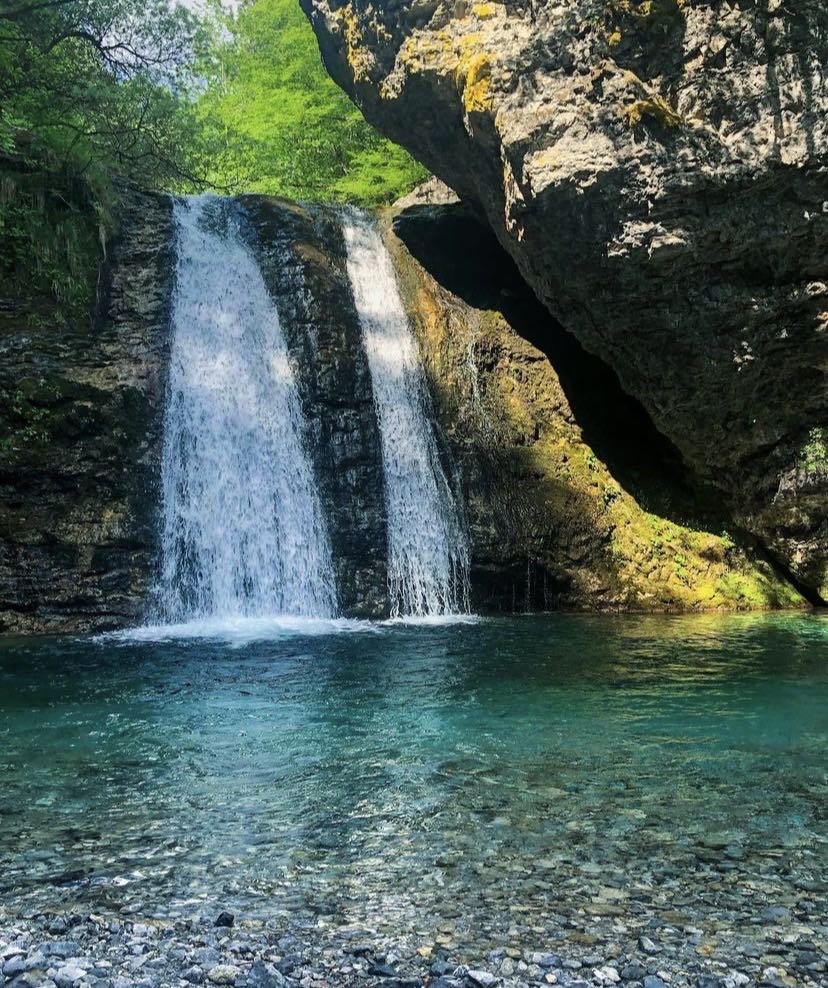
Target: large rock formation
657, 169
81, 414
573, 498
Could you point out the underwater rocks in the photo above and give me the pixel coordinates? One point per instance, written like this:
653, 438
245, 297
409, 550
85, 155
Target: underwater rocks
659, 172
113, 952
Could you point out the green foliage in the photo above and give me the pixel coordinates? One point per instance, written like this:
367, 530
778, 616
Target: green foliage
815, 451
284, 126
101, 84
89, 90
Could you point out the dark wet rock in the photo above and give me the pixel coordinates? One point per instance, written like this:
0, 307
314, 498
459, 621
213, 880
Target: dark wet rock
80, 418
206, 957
68, 975
548, 960
775, 913
30, 979
482, 979
634, 971
262, 976
380, 970
14, 965
224, 919
61, 948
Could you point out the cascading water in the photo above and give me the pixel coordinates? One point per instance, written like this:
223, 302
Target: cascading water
243, 532
428, 556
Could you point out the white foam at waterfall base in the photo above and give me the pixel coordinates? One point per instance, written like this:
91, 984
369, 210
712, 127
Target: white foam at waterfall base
428, 556
239, 630
244, 535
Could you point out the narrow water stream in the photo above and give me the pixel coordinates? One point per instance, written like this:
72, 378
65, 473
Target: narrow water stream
428, 554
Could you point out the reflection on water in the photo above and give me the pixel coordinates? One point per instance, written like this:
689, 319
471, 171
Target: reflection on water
417, 771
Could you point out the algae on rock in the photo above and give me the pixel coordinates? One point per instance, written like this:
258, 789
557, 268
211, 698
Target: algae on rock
551, 526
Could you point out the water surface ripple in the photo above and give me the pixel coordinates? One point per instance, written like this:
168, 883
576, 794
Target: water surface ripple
474, 774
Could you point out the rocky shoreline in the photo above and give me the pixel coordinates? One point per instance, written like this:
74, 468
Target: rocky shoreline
118, 951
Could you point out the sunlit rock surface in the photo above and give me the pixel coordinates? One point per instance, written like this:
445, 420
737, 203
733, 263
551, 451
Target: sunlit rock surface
657, 169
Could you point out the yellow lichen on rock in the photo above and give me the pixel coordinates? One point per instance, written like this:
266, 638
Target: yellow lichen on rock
357, 53
484, 10
655, 108
461, 58
473, 79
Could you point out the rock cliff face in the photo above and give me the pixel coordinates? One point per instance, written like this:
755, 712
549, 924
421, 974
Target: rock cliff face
658, 171
81, 413
573, 498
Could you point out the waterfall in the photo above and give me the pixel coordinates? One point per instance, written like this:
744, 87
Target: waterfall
243, 530
428, 556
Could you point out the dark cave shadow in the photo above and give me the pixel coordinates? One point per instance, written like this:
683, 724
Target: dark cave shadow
465, 258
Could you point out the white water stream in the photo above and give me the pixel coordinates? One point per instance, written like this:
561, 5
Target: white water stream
428, 554
243, 529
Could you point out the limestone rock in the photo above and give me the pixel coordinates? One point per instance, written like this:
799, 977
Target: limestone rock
657, 169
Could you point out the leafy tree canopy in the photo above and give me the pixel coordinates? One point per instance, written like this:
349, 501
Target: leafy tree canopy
150, 91
283, 126
102, 85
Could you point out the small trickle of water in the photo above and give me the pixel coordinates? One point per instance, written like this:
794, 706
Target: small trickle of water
243, 532
428, 555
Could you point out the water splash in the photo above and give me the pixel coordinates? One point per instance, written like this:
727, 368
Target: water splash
428, 555
243, 531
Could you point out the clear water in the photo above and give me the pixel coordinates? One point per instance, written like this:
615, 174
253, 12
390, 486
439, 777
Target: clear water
406, 777
428, 555
243, 528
